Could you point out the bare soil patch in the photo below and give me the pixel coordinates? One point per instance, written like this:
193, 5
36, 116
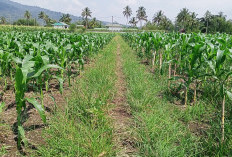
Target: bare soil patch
33, 124
121, 115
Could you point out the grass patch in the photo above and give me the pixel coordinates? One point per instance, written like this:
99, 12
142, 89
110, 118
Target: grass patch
3, 151
83, 129
158, 129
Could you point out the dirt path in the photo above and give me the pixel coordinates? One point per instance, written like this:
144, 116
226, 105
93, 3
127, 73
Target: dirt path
121, 114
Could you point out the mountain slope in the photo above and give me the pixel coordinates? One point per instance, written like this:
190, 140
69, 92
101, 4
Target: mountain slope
14, 11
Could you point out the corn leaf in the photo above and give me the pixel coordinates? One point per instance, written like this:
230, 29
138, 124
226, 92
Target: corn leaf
38, 107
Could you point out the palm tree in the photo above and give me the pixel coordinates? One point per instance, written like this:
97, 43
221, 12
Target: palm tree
27, 15
193, 20
166, 23
3, 20
207, 18
66, 18
42, 15
85, 14
158, 17
127, 12
182, 17
221, 15
47, 19
141, 15
133, 21
94, 22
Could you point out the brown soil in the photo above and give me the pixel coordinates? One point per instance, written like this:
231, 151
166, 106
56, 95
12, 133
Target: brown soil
33, 124
121, 116
198, 128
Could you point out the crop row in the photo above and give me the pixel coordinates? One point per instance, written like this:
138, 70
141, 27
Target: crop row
33, 59
191, 60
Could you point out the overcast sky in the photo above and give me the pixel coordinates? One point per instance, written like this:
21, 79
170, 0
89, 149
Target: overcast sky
104, 9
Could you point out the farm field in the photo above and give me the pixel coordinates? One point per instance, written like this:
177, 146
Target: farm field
130, 94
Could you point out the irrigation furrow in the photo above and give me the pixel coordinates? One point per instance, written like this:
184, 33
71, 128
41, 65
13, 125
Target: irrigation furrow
121, 113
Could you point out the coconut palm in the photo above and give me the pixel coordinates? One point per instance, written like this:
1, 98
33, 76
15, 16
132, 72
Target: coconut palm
127, 12
207, 18
182, 17
42, 15
141, 15
27, 15
85, 14
166, 23
94, 22
66, 18
193, 21
133, 21
158, 17
3, 20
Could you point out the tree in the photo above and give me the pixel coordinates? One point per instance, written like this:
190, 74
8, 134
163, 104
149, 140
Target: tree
133, 21
25, 22
94, 23
182, 18
47, 20
141, 15
85, 14
27, 15
73, 27
193, 22
66, 18
42, 15
207, 17
3, 20
215, 23
166, 24
127, 12
158, 17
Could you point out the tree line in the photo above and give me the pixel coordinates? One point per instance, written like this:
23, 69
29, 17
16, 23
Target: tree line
186, 21
47, 21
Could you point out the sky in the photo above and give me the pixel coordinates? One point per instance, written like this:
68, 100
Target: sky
105, 9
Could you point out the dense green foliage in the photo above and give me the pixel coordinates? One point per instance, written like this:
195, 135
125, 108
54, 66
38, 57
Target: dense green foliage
25, 22
85, 129
190, 22
157, 128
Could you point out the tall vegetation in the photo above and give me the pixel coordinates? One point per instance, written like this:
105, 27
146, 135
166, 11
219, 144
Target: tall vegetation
193, 63
66, 18
133, 21
127, 13
25, 22
158, 17
85, 14
186, 21
27, 15
3, 20
161, 21
141, 15
30, 60
47, 20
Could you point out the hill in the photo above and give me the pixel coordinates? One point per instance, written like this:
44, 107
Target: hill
13, 11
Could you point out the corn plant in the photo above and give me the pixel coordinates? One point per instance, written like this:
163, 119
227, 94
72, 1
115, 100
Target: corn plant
35, 57
196, 57
24, 73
